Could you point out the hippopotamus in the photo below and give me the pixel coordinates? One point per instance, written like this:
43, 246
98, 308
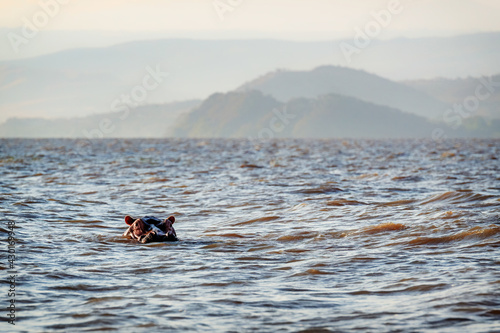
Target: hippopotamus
149, 229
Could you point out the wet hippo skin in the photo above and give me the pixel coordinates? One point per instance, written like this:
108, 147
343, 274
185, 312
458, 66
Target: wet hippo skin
149, 229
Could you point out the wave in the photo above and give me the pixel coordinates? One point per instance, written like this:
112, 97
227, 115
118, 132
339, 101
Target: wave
456, 197
260, 219
344, 202
383, 227
320, 190
473, 233
396, 203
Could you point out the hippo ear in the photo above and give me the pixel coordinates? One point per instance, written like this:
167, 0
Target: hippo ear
129, 220
171, 218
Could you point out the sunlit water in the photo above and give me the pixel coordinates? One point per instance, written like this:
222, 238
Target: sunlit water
285, 235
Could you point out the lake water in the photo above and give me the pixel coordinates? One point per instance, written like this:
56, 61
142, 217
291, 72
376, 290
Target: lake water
275, 236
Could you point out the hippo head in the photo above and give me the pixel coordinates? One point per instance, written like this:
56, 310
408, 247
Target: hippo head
149, 229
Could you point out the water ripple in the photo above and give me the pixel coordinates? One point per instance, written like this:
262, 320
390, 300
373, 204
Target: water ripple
284, 235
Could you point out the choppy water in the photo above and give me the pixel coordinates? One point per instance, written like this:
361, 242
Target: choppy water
275, 236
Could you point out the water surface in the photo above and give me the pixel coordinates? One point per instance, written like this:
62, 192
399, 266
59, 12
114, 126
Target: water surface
284, 235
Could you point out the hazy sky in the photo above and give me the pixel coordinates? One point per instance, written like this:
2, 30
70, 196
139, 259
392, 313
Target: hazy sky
296, 19
64, 24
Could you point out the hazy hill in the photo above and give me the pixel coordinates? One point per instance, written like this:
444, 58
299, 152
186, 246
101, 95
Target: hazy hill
335, 116
230, 115
426, 58
250, 114
85, 81
253, 114
456, 91
144, 122
286, 85
79, 82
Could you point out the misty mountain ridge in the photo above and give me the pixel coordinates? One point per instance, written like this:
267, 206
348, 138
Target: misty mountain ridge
286, 85
228, 115
254, 115
327, 101
308, 104
147, 121
84, 81
485, 91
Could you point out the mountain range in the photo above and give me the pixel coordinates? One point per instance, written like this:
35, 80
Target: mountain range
483, 90
286, 85
101, 92
252, 114
305, 104
84, 81
147, 121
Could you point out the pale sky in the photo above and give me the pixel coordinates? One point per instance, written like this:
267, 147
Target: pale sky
65, 24
297, 19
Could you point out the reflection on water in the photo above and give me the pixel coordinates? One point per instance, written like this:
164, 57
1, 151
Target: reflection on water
283, 235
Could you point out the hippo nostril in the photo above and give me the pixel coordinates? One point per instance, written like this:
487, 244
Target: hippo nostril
148, 238
171, 236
